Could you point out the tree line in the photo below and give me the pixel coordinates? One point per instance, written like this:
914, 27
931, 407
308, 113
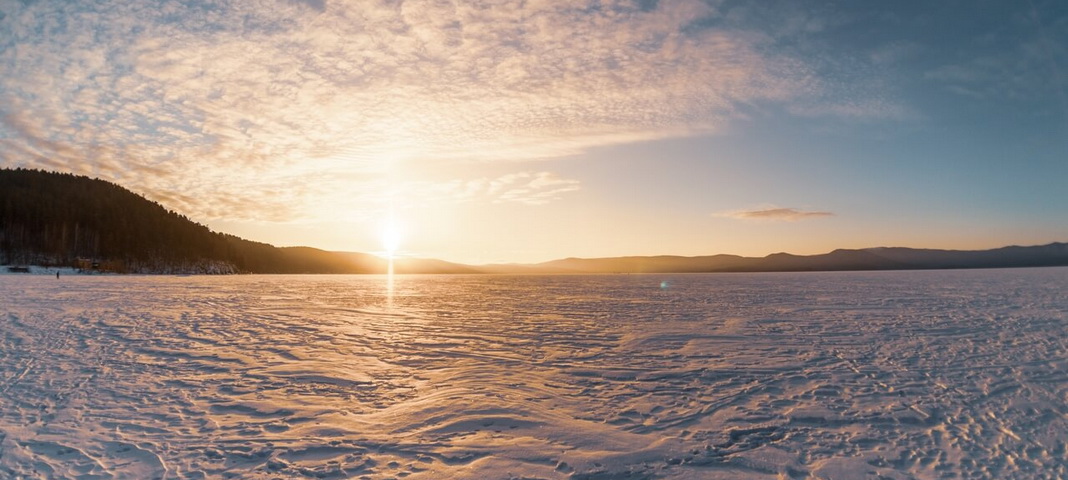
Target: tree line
61, 219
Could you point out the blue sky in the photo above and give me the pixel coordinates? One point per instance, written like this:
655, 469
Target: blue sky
525, 131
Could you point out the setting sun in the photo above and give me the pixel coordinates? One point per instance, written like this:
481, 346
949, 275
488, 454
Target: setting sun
391, 237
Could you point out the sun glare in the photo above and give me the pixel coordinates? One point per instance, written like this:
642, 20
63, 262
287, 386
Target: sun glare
391, 237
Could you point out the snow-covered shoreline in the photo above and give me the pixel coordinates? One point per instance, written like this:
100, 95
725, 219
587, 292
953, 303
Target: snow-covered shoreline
205, 268
39, 270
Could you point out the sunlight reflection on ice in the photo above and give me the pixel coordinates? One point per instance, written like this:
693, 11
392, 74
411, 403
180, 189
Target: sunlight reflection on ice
389, 284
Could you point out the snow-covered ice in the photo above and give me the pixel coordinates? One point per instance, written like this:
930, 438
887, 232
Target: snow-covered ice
938, 374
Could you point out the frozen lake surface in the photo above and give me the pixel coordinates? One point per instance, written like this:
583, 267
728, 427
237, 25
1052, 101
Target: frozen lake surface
936, 374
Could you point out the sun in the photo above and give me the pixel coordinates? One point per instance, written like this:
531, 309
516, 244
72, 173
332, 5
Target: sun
391, 236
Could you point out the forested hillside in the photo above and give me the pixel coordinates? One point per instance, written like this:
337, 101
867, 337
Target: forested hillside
56, 219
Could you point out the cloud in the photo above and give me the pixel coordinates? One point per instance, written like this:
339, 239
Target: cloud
531, 188
250, 105
1021, 60
775, 214
867, 109
528, 188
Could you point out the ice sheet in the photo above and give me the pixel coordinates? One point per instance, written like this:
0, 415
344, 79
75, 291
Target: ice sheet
834, 375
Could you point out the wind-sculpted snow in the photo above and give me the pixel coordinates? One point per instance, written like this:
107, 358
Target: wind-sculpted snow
948, 374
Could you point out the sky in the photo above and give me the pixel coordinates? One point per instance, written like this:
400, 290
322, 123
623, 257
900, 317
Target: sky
525, 131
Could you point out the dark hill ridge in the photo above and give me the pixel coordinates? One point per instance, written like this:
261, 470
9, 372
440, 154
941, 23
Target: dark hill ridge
56, 219
897, 258
59, 219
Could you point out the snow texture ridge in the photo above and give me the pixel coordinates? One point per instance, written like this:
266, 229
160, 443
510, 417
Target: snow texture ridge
937, 374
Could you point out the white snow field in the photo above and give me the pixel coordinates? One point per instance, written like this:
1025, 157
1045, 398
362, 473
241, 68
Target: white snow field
936, 374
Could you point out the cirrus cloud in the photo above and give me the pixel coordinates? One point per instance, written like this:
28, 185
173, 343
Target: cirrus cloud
248, 105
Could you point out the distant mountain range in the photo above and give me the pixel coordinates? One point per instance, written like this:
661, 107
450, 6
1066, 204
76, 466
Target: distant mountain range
882, 258
60, 219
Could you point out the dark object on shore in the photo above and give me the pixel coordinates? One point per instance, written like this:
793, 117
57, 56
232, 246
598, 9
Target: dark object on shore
18, 269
